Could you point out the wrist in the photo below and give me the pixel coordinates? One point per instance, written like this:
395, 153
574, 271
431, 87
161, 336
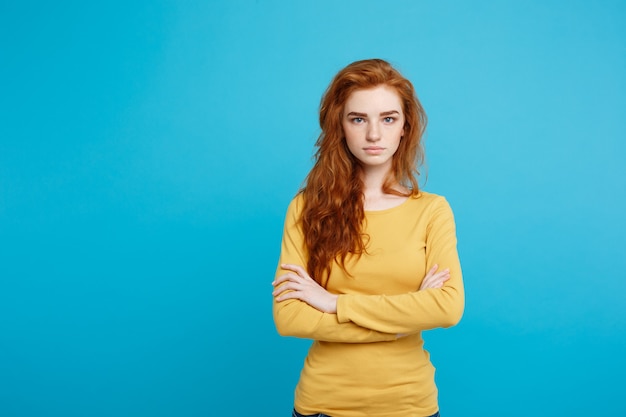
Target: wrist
335, 297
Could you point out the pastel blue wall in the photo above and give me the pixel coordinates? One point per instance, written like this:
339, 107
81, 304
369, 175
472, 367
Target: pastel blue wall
148, 151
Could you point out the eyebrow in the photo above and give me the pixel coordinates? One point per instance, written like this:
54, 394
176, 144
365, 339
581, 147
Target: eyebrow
385, 113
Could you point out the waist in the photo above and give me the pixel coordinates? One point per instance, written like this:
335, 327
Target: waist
368, 376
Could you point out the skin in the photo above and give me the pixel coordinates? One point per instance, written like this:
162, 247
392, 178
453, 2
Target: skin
373, 125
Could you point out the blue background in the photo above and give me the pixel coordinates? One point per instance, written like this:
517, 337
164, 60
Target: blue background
148, 151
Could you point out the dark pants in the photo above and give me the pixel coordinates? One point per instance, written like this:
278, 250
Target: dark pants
294, 413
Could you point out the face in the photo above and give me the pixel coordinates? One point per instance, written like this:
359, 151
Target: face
373, 123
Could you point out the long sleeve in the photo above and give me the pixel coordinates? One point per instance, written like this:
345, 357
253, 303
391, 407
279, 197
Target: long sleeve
418, 310
296, 318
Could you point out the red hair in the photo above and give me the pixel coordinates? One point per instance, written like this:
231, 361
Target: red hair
333, 212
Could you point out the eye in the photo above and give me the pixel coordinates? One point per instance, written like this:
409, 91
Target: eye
389, 119
357, 120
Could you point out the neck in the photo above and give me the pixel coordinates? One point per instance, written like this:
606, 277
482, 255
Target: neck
373, 180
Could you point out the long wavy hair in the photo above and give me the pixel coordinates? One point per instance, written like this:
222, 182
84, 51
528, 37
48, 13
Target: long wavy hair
333, 214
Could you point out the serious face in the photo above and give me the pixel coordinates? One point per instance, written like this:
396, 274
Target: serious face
373, 124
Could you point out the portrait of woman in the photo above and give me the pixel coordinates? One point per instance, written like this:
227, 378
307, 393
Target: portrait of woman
368, 260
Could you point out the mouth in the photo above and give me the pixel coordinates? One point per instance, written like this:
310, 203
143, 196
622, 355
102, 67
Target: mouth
373, 150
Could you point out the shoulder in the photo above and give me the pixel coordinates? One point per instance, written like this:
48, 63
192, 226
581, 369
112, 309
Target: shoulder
438, 213
431, 200
297, 202
434, 207
294, 210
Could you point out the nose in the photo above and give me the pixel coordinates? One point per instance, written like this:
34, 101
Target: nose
373, 132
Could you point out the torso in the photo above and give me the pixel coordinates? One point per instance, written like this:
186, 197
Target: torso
371, 376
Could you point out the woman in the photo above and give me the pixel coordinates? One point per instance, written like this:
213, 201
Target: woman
368, 261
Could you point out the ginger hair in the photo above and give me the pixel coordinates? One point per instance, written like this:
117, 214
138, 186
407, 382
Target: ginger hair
333, 213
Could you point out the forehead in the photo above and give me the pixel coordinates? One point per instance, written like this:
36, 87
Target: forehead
377, 99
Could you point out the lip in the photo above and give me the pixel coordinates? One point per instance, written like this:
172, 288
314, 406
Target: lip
373, 150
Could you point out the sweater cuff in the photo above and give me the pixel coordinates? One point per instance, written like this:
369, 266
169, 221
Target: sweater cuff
342, 308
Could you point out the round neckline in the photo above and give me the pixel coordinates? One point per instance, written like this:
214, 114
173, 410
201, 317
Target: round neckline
390, 209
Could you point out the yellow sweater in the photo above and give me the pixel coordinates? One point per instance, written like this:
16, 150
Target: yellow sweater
368, 359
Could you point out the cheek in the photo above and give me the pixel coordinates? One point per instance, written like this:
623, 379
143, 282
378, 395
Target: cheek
345, 130
399, 134
350, 134
396, 147
351, 144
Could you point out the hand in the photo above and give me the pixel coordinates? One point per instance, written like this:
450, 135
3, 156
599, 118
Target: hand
434, 279
299, 285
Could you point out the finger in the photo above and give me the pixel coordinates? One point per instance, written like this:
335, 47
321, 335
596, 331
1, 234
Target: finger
287, 286
444, 273
438, 283
290, 276
292, 267
432, 270
289, 295
433, 285
435, 281
297, 269
427, 280
436, 276
427, 283
290, 284
443, 278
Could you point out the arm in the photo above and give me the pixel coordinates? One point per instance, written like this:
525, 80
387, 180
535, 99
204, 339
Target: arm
294, 317
421, 310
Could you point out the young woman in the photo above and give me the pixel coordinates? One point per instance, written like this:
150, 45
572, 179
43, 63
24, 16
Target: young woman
368, 261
